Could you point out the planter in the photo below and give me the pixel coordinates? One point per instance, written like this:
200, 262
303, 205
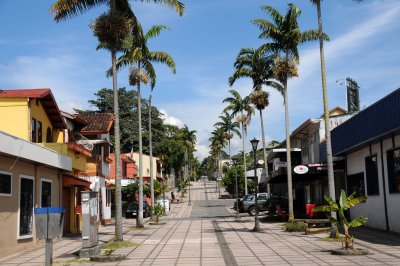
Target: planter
157, 223
350, 251
107, 258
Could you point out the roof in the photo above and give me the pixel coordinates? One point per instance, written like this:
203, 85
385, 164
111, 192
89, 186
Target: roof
97, 123
336, 111
76, 118
46, 99
376, 121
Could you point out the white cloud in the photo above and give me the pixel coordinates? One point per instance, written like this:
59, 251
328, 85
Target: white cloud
171, 120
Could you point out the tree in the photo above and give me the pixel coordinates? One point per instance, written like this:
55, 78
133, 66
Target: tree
137, 52
258, 66
112, 28
189, 140
239, 105
285, 36
229, 126
345, 203
103, 103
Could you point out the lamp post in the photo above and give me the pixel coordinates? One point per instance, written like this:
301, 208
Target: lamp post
254, 143
234, 163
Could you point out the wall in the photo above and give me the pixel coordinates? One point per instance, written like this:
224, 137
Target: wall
374, 206
9, 207
15, 111
146, 164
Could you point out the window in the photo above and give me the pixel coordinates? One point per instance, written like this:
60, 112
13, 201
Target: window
355, 183
393, 165
33, 128
261, 197
5, 184
108, 197
46, 193
49, 136
371, 174
26, 207
39, 131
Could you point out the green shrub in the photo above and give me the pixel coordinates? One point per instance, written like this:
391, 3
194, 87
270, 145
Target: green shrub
295, 226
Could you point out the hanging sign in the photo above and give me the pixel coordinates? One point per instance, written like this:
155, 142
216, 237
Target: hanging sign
300, 169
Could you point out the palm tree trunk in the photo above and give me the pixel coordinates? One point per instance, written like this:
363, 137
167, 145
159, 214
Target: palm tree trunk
288, 157
140, 214
118, 206
244, 157
151, 161
118, 201
331, 177
264, 150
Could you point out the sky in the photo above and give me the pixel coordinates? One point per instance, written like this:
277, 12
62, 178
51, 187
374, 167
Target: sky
36, 52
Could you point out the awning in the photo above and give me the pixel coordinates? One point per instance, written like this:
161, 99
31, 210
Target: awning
73, 181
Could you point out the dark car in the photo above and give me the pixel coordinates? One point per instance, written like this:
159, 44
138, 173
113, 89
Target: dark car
247, 204
132, 208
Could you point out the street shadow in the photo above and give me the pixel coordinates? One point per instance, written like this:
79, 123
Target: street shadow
270, 219
375, 236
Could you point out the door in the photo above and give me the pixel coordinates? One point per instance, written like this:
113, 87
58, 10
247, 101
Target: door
67, 206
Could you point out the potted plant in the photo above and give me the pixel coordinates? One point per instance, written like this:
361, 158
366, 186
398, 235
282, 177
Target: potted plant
345, 203
158, 211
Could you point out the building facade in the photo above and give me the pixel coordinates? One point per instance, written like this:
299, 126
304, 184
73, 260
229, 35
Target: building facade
370, 144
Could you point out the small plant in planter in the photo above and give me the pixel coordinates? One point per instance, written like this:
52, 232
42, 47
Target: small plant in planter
294, 226
158, 211
345, 203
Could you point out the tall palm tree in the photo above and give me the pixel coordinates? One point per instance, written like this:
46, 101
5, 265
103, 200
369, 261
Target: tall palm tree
217, 143
189, 139
285, 36
229, 126
239, 106
64, 9
137, 52
258, 66
329, 158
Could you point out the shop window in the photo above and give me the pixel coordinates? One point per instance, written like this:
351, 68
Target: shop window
46, 193
393, 165
39, 131
371, 174
355, 183
33, 130
26, 207
5, 184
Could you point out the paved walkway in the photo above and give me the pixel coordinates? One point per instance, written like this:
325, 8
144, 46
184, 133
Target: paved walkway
206, 233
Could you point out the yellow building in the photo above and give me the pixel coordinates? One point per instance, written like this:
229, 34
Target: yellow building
31, 118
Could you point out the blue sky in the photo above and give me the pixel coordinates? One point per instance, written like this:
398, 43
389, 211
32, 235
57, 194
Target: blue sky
37, 52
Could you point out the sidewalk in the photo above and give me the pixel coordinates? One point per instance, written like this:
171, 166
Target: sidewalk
187, 239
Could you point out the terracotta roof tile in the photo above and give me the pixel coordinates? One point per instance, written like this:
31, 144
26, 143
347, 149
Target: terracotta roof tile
97, 123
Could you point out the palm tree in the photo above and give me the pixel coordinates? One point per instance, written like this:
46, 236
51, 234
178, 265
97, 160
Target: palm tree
329, 158
239, 106
189, 139
258, 66
217, 143
285, 36
229, 126
137, 52
64, 9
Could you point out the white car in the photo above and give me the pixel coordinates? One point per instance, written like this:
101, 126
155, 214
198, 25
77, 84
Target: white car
161, 201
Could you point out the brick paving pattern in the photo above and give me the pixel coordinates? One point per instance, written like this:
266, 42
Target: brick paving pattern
206, 233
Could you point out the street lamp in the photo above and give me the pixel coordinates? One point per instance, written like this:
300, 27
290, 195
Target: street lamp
254, 143
234, 163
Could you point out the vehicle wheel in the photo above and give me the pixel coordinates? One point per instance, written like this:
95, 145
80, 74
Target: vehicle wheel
252, 210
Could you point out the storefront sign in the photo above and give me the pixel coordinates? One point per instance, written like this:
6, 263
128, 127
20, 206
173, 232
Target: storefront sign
300, 169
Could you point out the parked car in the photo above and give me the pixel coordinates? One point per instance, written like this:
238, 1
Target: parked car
161, 201
247, 204
132, 208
